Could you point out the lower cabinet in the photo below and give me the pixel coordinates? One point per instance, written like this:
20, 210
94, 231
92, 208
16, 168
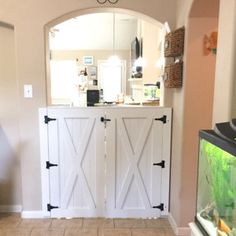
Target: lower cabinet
105, 162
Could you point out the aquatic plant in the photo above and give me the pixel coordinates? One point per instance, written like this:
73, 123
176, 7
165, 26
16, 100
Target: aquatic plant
222, 166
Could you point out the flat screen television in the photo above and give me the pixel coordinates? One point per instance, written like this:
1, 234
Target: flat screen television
135, 49
136, 52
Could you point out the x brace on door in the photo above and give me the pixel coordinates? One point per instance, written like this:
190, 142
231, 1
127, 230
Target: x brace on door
133, 155
77, 173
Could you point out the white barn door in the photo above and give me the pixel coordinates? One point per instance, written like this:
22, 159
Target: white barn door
115, 168
134, 142
77, 147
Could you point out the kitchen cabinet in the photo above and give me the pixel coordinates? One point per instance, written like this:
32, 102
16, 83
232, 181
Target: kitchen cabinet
105, 162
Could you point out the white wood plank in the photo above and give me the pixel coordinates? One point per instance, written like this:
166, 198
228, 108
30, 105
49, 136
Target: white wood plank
134, 151
106, 172
79, 188
43, 133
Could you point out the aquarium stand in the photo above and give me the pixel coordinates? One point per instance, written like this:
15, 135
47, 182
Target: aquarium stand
216, 181
200, 227
195, 230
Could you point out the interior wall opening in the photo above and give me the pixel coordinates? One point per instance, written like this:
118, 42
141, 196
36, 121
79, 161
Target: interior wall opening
78, 47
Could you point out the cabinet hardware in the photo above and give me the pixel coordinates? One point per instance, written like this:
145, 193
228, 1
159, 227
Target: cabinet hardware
161, 207
163, 119
48, 119
161, 164
50, 207
103, 119
49, 165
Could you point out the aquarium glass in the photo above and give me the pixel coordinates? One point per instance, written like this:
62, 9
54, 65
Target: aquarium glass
216, 190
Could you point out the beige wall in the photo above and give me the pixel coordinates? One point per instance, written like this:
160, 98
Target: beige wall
29, 19
225, 92
233, 112
10, 184
183, 172
152, 38
97, 55
198, 107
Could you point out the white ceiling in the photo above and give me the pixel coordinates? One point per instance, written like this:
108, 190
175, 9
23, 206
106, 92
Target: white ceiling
94, 32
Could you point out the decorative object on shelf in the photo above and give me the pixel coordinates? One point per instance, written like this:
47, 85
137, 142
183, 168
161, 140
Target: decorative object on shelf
114, 60
210, 43
174, 43
173, 75
110, 1
92, 72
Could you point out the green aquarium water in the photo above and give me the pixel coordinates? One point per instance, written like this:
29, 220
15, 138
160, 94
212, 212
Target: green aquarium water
216, 193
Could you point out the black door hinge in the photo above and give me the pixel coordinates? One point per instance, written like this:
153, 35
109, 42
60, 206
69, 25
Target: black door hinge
48, 165
50, 207
48, 119
163, 119
103, 119
161, 164
161, 207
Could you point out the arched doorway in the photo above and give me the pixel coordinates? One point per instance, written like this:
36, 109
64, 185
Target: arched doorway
91, 183
199, 83
149, 33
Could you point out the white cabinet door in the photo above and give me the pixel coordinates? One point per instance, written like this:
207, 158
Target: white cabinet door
76, 145
108, 169
134, 143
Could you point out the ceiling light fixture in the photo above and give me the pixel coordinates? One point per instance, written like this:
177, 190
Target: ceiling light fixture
110, 1
114, 59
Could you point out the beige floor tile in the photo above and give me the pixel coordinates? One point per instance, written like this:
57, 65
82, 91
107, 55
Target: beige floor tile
13, 225
47, 232
81, 232
14, 232
98, 223
9, 225
67, 223
32, 223
129, 223
157, 223
114, 232
9, 222
148, 232
10, 216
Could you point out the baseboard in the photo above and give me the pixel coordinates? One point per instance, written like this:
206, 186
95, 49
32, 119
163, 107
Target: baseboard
33, 215
178, 230
10, 208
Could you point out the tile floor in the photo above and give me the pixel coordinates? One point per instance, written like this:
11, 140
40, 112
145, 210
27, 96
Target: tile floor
13, 225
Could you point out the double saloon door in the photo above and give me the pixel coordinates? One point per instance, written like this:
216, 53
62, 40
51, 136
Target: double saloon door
105, 162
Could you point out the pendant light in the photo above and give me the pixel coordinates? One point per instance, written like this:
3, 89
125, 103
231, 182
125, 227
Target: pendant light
114, 59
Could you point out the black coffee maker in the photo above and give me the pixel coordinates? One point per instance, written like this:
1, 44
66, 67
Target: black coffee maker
92, 97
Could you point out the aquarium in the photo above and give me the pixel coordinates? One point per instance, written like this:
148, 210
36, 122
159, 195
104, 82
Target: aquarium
216, 187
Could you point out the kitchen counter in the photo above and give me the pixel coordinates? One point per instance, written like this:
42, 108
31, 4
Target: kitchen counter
154, 104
